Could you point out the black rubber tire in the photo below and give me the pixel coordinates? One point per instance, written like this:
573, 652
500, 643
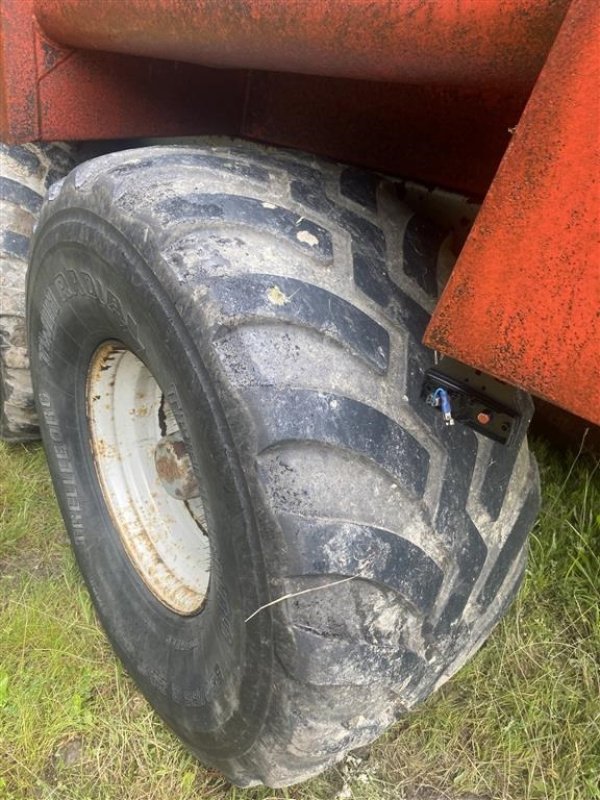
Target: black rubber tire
282, 301
26, 172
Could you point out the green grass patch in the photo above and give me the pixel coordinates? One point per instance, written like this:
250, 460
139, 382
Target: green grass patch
520, 722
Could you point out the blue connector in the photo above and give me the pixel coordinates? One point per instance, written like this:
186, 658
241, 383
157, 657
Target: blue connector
441, 399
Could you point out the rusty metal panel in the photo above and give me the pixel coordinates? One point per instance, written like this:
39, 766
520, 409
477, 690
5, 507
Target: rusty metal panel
451, 135
523, 302
466, 42
48, 91
451, 132
18, 72
109, 95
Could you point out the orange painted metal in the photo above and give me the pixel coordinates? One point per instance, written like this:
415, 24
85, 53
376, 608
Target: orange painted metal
50, 92
462, 42
18, 71
523, 302
426, 90
452, 132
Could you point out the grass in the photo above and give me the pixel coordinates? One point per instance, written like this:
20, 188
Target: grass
520, 722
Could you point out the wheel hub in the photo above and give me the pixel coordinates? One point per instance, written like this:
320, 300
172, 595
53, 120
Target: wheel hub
174, 468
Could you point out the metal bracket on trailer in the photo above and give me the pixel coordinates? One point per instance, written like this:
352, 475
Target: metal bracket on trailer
468, 396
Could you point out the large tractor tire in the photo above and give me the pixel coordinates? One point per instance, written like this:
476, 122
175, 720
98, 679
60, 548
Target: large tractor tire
287, 547
26, 172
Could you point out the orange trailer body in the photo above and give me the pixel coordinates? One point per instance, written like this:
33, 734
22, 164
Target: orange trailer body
523, 302
429, 91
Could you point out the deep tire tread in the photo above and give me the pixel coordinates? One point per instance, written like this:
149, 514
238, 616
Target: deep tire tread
423, 593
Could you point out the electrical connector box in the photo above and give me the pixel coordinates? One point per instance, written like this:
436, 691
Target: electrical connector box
483, 403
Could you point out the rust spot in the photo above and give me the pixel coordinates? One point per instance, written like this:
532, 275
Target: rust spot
140, 411
103, 450
174, 468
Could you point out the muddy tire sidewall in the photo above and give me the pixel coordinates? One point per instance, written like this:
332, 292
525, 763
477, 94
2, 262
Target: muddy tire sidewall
201, 679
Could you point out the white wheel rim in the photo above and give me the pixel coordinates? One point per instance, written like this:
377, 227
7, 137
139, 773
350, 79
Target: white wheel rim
164, 537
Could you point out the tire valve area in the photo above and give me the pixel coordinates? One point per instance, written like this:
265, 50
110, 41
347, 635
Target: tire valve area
465, 395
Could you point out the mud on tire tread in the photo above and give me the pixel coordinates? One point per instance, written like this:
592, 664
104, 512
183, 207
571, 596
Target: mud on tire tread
296, 281
26, 173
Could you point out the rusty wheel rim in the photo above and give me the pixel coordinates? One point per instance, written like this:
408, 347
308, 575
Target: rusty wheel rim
146, 478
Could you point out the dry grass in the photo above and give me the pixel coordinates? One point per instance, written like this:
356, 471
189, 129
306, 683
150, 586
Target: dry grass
520, 722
